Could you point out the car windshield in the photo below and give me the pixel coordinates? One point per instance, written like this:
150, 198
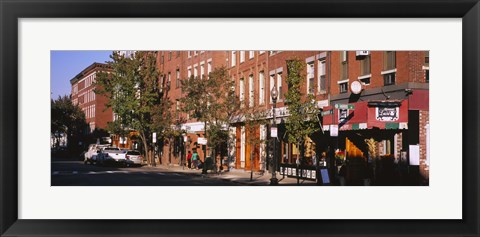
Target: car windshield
135, 153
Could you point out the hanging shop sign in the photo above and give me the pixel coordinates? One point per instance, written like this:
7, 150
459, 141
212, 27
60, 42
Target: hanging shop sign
202, 141
387, 113
334, 130
356, 87
273, 132
342, 115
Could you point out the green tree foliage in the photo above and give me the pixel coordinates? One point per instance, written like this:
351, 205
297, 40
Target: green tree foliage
67, 119
213, 102
301, 122
135, 97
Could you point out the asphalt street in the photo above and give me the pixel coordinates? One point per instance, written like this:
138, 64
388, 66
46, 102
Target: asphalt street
75, 173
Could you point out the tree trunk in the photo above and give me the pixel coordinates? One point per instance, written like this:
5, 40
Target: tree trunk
147, 149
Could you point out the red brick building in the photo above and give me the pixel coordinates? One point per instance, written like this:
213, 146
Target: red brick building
96, 114
176, 66
381, 95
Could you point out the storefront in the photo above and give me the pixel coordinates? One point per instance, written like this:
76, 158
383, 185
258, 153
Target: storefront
366, 132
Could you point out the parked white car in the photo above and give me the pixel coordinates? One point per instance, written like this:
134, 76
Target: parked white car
112, 156
134, 156
90, 155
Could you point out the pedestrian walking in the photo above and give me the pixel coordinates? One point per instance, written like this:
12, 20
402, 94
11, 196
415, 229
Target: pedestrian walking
189, 160
195, 159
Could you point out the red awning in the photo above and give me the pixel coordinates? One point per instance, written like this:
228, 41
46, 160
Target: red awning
388, 114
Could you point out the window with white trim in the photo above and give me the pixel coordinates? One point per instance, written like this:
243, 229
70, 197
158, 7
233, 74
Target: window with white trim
251, 92
344, 65
251, 54
202, 70
272, 84
168, 78
178, 83
389, 78
209, 67
242, 91
389, 60
234, 58
242, 56
322, 81
261, 94
310, 78
195, 72
279, 86
343, 87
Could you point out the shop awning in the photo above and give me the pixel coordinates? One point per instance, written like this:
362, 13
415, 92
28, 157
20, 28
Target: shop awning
388, 114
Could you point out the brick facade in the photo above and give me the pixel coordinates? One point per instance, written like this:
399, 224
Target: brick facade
96, 113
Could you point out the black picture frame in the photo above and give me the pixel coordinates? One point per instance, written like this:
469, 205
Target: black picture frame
11, 11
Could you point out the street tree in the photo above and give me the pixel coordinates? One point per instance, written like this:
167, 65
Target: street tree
212, 101
301, 122
67, 120
135, 97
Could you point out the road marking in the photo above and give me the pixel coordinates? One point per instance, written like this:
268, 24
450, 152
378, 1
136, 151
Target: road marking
110, 172
161, 174
74, 172
176, 174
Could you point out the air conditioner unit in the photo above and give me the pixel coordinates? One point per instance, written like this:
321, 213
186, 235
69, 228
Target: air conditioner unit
363, 53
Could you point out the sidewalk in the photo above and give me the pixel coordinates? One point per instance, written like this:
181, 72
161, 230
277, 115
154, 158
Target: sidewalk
240, 176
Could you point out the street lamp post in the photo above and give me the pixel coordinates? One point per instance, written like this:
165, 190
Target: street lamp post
274, 94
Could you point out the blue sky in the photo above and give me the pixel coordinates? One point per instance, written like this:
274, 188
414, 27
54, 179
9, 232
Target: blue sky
64, 65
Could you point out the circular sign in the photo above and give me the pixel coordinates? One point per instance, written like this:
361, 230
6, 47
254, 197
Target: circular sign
356, 87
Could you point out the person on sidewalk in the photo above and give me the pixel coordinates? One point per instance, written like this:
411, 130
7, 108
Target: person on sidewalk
195, 159
189, 160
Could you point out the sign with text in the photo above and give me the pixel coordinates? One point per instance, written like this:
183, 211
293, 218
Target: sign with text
387, 114
154, 137
334, 130
344, 106
342, 115
202, 141
273, 132
327, 112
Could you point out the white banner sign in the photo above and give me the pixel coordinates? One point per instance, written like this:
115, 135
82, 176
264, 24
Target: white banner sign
273, 132
202, 141
414, 151
154, 137
334, 130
